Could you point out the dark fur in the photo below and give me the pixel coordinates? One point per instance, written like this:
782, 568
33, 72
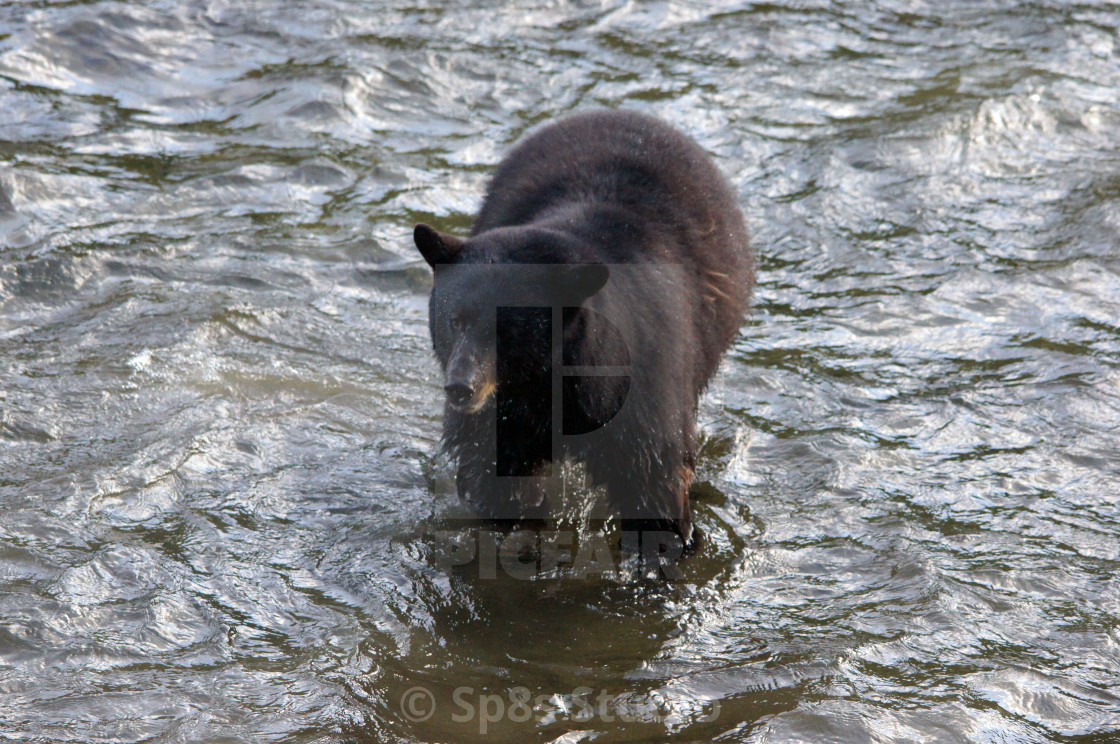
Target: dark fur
587, 192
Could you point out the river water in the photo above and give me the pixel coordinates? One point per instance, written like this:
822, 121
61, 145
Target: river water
221, 508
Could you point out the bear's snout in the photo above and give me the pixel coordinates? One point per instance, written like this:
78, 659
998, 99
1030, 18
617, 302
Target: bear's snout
469, 397
469, 383
459, 393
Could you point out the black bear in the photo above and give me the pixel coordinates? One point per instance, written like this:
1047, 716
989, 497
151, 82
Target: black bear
609, 248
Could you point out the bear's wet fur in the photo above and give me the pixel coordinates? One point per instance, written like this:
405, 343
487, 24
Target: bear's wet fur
625, 226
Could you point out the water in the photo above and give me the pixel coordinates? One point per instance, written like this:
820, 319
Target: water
219, 503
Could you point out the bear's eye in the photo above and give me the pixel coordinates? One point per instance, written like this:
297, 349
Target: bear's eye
457, 322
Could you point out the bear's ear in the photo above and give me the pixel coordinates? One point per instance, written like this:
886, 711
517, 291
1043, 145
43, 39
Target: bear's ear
436, 247
576, 283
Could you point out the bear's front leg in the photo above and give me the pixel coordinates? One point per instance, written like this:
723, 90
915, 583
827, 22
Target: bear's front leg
662, 508
503, 500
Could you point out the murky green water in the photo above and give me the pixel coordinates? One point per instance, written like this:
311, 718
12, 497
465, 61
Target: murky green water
219, 409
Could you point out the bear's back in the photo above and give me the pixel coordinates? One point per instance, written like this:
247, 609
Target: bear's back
620, 158
648, 193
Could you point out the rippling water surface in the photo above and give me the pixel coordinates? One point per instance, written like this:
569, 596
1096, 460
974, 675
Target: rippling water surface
219, 411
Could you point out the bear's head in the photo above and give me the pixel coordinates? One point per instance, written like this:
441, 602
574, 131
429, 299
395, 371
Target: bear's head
499, 290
